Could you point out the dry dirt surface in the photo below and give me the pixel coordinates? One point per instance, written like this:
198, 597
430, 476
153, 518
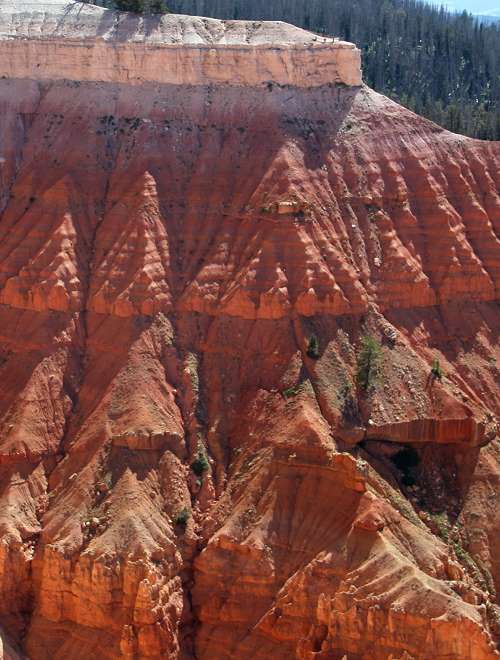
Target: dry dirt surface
189, 467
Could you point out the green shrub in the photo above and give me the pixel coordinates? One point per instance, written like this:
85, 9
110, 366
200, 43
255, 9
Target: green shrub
436, 370
291, 391
369, 363
182, 517
200, 465
441, 523
313, 347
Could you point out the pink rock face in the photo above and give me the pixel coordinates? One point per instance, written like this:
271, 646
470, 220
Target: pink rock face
167, 254
82, 42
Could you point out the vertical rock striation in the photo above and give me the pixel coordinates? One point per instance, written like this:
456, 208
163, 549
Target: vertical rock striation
184, 471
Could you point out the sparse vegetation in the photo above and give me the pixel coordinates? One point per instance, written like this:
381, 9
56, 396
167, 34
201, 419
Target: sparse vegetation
453, 536
345, 390
246, 465
441, 524
291, 391
436, 370
369, 363
313, 347
200, 465
470, 565
142, 6
348, 402
402, 505
441, 64
191, 362
182, 517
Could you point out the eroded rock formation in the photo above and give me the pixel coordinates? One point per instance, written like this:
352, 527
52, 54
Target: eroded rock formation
181, 474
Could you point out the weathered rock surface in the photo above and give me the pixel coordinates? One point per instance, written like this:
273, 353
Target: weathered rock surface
76, 41
166, 254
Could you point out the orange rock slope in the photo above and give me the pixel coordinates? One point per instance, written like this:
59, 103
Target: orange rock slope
166, 255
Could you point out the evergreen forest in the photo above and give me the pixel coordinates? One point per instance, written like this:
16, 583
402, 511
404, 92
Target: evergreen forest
442, 65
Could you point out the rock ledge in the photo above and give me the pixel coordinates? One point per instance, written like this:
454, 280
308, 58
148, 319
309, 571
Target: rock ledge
77, 41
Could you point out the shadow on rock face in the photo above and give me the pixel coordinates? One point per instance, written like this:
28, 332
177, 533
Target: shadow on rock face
432, 476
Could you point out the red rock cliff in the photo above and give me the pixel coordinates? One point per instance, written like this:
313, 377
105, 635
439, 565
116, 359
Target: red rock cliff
183, 473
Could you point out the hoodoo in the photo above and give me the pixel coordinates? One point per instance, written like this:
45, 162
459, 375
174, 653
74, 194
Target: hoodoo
249, 350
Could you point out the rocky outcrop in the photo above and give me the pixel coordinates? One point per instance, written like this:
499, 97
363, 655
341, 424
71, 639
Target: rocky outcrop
188, 465
81, 42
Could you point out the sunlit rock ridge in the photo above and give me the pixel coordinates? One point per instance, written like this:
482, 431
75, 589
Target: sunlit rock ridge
78, 41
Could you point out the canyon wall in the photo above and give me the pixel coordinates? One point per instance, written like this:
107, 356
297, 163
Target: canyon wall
181, 474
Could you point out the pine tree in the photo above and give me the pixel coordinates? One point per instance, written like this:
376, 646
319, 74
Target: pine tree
443, 65
142, 6
369, 363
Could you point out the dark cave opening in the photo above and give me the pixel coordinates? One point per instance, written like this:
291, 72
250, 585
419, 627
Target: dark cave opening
407, 460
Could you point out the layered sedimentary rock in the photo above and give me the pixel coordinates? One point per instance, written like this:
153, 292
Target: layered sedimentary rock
167, 252
76, 41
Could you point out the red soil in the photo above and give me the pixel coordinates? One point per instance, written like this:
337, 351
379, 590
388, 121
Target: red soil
154, 301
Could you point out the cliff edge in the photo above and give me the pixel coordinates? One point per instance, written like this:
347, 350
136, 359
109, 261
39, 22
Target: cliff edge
77, 41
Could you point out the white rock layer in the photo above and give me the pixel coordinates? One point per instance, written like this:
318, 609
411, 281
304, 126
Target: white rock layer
76, 41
